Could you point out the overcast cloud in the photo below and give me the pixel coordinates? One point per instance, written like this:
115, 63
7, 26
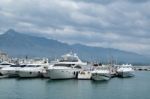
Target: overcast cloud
121, 24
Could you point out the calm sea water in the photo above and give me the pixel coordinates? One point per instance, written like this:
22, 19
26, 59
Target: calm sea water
137, 87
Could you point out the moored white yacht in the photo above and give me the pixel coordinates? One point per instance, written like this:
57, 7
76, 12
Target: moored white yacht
101, 73
66, 68
45, 73
34, 69
11, 71
125, 70
5, 64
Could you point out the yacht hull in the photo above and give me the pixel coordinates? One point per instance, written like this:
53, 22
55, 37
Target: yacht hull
125, 74
62, 73
45, 74
29, 74
9, 73
101, 77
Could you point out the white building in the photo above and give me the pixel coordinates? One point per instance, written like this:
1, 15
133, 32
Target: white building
3, 56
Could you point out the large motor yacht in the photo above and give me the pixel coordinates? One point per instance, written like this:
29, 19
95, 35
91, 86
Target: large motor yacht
11, 71
4, 64
125, 70
33, 69
66, 68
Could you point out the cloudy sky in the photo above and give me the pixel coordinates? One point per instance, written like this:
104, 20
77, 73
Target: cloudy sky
121, 24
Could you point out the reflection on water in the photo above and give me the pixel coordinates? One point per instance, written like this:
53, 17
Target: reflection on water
137, 87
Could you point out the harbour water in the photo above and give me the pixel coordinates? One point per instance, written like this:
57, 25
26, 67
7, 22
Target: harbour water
137, 87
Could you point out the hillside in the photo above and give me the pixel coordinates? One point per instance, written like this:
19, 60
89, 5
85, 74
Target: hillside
20, 45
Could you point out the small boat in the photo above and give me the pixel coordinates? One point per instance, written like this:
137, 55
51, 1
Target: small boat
125, 70
101, 73
84, 75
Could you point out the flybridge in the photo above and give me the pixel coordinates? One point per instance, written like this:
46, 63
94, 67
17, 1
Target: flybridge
70, 58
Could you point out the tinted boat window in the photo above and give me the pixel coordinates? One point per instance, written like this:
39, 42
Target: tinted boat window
66, 65
4, 64
79, 67
37, 65
23, 66
33, 65
69, 59
15, 66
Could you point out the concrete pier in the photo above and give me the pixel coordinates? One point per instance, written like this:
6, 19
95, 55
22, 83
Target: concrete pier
141, 68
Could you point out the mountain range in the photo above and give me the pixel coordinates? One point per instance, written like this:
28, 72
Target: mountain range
20, 45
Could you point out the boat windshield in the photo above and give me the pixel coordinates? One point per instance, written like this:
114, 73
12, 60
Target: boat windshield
65, 65
68, 59
78, 67
33, 65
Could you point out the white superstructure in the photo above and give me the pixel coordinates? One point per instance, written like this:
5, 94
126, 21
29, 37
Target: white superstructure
125, 70
5, 64
66, 68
